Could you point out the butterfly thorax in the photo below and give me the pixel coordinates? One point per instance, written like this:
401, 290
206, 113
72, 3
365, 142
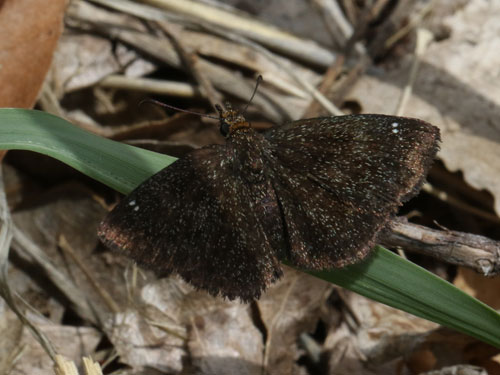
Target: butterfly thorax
247, 149
244, 146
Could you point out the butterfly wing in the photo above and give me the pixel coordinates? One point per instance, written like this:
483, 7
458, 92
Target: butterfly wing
339, 180
195, 218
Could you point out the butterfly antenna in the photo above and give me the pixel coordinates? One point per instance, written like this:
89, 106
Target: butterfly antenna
161, 104
259, 80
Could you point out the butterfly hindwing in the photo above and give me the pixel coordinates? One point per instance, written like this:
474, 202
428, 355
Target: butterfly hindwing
196, 218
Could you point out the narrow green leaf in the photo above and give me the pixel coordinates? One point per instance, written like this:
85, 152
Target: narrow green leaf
384, 276
120, 166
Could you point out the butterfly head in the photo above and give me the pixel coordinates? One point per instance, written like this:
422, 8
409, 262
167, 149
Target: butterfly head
231, 120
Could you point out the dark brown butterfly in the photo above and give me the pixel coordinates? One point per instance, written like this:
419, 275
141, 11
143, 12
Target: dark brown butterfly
313, 192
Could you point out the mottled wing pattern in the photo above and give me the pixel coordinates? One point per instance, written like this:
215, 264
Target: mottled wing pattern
196, 218
339, 179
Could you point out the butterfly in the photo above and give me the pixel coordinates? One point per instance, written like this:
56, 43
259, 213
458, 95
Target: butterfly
314, 192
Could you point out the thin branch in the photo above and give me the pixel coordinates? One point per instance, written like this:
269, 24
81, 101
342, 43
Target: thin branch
463, 249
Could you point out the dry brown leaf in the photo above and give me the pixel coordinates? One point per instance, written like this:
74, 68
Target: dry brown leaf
226, 341
142, 345
71, 211
373, 338
289, 308
223, 337
377, 339
483, 288
83, 59
151, 332
174, 323
30, 30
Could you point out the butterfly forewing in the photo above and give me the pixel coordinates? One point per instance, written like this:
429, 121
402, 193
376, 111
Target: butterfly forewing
339, 179
363, 158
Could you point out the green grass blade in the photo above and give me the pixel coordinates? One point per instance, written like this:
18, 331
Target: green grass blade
115, 164
384, 276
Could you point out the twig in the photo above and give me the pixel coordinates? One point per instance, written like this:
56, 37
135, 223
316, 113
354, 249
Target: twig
163, 49
65, 367
192, 64
154, 86
325, 86
91, 367
303, 50
334, 19
327, 104
424, 37
414, 21
464, 249
312, 347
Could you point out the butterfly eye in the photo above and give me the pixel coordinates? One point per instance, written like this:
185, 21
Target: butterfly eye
224, 127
